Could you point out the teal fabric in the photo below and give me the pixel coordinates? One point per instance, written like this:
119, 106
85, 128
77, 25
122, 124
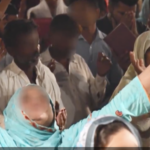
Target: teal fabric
131, 101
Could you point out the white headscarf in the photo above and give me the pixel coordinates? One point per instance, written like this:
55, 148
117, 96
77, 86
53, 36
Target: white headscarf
141, 46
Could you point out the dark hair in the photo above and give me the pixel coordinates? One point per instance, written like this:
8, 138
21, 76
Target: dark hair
64, 23
16, 28
11, 10
102, 5
93, 3
103, 132
126, 2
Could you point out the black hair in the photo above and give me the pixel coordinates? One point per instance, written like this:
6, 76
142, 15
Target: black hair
11, 10
103, 133
64, 23
102, 5
126, 2
16, 28
93, 3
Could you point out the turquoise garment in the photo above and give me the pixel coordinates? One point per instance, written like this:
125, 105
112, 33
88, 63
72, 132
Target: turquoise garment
131, 101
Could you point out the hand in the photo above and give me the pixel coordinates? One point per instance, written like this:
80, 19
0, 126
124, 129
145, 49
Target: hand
129, 20
60, 116
22, 9
52, 65
103, 64
134, 28
138, 65
124, 61
2, 49
61, 119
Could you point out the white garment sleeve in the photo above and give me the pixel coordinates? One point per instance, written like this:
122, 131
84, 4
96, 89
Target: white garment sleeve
97, 86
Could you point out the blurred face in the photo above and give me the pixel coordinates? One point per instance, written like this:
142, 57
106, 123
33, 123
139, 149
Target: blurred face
63, 43
123, 138
118, 11
147, 58
84, 13
26, 51
36, 105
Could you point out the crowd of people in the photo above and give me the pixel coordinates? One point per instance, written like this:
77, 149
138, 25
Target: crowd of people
60, 82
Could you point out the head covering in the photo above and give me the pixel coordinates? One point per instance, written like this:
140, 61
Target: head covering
86, 138
141, 46
21, 133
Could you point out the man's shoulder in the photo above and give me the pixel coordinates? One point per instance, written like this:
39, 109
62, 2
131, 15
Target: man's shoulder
6, 72
78, 58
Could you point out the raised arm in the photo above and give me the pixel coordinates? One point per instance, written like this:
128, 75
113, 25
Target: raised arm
3, 6
133, 100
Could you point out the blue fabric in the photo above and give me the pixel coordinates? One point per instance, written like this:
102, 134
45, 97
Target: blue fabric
131, 101
145, 12
90, 54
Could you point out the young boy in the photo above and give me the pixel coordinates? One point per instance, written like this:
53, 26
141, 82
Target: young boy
121, 11
90, 42
80, 91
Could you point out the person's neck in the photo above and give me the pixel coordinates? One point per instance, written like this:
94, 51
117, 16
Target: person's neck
29, 71
62, 59
89, 33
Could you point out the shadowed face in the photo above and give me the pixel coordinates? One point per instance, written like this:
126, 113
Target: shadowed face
84, 13
26, 50
63, 43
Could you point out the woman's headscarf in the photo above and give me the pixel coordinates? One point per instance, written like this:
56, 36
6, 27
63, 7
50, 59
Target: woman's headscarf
141, 46
19, 131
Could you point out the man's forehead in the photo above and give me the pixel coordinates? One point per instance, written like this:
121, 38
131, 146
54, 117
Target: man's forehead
124, 7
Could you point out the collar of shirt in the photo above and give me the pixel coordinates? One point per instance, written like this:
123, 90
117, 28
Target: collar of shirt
16, 70
99, 36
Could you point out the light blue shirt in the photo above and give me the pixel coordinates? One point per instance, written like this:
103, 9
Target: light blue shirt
90, 54
145, 12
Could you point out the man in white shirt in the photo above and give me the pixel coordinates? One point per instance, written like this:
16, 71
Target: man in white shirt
47, 9
21, 41
80, 91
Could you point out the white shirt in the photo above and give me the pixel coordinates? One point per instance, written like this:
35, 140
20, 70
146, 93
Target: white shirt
42, 10
80, 91
12, 78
